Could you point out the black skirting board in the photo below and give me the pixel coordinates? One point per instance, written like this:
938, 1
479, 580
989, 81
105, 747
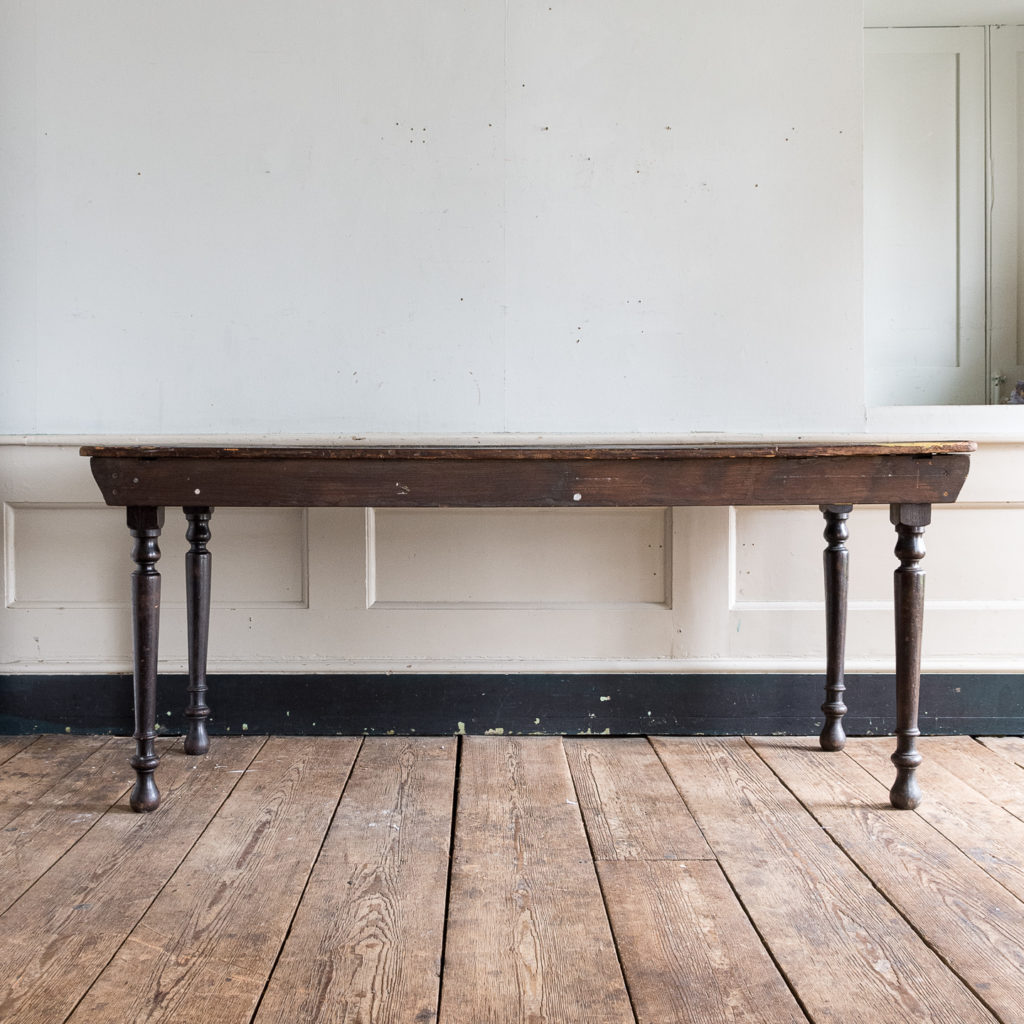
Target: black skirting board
515, 704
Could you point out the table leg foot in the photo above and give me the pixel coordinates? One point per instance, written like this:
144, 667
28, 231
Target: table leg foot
145, 796
198, 563
836, 561
908, 594
144, 524
906, 793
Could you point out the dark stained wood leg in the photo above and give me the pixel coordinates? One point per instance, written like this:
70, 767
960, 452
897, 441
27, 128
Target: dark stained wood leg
197, 593
836, 560
908, 592
145, 523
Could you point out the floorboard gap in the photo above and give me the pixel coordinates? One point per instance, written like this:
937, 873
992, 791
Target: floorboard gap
448, 880
767, 948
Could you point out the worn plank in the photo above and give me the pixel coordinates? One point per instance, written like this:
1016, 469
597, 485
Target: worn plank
33, 770
39, 836
1009, 747
528, 938
366, 942
957, 805
981, 765
59, 935
630, 807
11, 745
848, 954
972, 921
204, 949
688, 950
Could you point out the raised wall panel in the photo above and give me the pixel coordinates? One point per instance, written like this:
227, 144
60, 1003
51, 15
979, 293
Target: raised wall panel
1006, 216
260, 557
71, 555
924, 216
777, 555
1014, 42
974, 605
58, 556
506, 558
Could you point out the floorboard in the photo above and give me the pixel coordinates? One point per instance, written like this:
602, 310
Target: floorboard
511, 880
361, 949
38, 767
203, 950
838, 941
528, 935
973, 923
11, 745
32, 842
57, 938
1009, 747
980, 764
958, 808
631, 808
689, 951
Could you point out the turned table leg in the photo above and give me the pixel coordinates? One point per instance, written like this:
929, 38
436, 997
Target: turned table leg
908, 592
197, 595
144, 523
836, 560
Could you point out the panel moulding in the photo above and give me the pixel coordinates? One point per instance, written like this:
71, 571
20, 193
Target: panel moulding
75, 555
518, 559
872, 556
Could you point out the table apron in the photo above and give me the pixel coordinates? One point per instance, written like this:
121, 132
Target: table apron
497, 483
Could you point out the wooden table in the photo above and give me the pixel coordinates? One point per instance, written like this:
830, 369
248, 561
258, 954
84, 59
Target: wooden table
909, 477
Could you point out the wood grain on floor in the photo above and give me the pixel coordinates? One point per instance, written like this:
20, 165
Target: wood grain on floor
511, 880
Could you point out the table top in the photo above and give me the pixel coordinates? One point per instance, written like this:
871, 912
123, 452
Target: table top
468, 452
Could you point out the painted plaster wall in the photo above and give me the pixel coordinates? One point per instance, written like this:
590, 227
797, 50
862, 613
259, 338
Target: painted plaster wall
351, 219
345, 218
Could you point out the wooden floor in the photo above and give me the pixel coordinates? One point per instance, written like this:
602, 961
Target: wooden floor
499, 879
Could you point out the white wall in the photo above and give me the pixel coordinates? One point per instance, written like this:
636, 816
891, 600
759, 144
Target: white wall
612, 216
253, 217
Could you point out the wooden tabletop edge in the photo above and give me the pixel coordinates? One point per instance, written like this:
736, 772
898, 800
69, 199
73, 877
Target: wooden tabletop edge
540, 452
